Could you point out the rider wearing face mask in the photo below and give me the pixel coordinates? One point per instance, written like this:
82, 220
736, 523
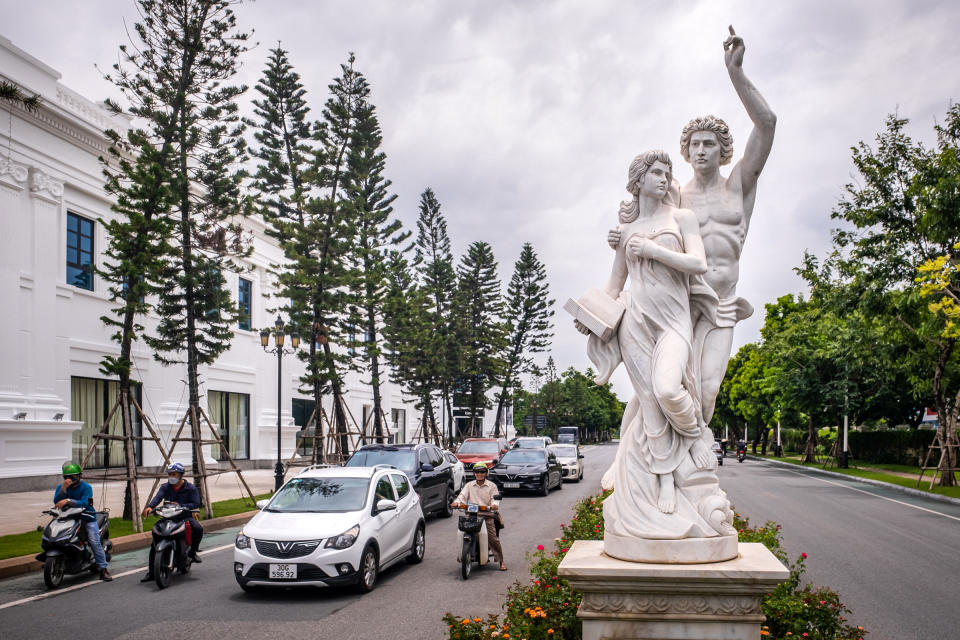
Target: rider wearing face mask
179, 491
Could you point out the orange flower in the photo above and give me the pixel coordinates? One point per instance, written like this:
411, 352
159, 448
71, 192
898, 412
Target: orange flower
464, 621
476, 619
549, 631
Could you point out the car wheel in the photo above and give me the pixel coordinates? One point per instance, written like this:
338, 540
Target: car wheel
560, 483
545, 485
369, 569
419, 546
445, 509
720, 461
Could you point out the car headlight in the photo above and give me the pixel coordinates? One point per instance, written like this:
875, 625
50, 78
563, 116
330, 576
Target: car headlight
242, 541
345, 539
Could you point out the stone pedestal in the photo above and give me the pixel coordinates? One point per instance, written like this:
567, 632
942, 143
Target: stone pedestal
640, 601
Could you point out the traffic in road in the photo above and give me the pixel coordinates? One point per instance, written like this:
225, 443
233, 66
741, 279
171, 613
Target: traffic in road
208, 602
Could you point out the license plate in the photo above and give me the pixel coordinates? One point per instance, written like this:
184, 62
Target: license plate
511, 485
283, 571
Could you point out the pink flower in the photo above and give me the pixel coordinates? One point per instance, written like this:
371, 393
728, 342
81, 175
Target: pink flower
563, 550
539, 547
803, 555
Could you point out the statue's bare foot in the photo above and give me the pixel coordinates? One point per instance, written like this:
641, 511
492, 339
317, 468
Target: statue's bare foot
667, 501
701, 454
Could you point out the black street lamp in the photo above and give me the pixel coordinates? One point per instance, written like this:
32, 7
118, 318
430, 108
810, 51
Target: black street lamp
278, 340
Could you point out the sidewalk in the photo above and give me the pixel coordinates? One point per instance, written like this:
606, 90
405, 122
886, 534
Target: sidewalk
22, 511
878, 483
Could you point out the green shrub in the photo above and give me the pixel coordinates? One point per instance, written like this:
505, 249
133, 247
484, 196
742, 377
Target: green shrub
891, 447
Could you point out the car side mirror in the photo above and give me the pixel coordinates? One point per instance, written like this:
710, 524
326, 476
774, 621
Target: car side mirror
262, 504
386, 505
426, 466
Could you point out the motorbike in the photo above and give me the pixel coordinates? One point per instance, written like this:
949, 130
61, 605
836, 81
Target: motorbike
65, 547
472, 535
741, 455
171, 542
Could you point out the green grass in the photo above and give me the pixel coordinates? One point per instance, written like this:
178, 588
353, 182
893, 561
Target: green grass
21, 544
953, 492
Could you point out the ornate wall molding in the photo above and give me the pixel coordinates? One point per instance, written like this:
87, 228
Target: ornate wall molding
44, 186
620, 603
13, 173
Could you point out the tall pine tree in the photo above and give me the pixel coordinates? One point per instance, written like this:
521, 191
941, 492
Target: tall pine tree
434, 265
194, 306
377, 233
527, 316
285, 149
480, 331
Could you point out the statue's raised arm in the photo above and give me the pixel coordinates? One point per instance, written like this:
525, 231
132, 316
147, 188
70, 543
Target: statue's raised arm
764, 121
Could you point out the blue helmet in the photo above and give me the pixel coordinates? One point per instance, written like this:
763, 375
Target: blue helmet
176, 467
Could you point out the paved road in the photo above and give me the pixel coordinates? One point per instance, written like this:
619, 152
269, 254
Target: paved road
408, 601
894, 559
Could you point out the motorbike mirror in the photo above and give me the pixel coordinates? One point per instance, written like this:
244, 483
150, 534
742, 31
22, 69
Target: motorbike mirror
581, 456
386, 505
497, 496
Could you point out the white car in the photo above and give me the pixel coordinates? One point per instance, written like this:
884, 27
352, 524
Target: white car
570, 458
459, 472
329, 527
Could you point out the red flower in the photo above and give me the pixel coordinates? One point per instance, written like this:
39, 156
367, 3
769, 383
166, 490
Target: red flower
803, 555
539, 547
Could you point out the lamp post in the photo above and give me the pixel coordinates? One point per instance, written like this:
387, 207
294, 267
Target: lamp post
278, 340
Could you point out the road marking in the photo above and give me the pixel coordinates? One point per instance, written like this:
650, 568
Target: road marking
82, 585
869, 493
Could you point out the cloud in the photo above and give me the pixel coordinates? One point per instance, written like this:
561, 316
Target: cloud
523, 117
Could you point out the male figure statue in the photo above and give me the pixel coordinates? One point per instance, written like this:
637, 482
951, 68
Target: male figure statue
723, 207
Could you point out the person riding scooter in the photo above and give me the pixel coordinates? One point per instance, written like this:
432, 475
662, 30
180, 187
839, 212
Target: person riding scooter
479, 491
75, 492
185, 494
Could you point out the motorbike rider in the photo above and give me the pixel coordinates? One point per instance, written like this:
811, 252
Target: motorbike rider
178, 491
741, 445
480, 491
76, 492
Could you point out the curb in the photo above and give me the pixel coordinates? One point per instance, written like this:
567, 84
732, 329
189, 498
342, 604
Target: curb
877, 483
25, 564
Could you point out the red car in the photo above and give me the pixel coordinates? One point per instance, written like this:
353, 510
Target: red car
474, 450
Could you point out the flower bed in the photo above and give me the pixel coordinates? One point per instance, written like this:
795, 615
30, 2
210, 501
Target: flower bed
545, 607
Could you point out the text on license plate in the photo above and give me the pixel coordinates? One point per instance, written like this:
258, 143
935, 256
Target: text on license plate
511, 485
283, 571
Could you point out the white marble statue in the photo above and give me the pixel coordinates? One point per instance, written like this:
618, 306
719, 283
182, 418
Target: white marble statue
676, 334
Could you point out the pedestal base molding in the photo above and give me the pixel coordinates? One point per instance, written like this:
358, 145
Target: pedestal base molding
645, 601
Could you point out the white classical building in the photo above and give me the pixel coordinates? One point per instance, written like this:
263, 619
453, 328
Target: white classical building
53, 396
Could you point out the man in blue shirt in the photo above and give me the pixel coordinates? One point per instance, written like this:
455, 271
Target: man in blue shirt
74, 492
186, 495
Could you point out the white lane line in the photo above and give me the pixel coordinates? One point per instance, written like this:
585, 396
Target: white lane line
869, 493
83, 585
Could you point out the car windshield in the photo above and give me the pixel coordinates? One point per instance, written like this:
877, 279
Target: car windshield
320, 495
403, 459
532, 443
564, 452
479, 446
519, 456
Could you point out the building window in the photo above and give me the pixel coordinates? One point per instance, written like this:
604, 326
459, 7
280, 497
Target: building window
244, 302
399, 419
79, 251
91, 401
231, 412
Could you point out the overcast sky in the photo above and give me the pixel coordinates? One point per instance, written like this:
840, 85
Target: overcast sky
523, 116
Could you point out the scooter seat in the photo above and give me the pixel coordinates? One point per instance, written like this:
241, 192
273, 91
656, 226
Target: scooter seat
101, 518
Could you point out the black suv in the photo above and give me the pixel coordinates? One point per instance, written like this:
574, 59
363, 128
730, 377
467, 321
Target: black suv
429, 471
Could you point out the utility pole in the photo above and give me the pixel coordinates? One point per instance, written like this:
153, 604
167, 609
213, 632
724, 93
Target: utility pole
845, 453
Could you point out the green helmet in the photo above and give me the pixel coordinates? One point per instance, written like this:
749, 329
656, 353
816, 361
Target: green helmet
480, 466
71, 469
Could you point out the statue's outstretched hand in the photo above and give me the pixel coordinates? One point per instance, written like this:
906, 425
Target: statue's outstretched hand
581, 327
733, 49
613, 238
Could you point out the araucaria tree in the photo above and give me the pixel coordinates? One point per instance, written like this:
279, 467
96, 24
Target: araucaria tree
527, 316
194, 307
479, 330
434, 265
378, 233
284, 181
